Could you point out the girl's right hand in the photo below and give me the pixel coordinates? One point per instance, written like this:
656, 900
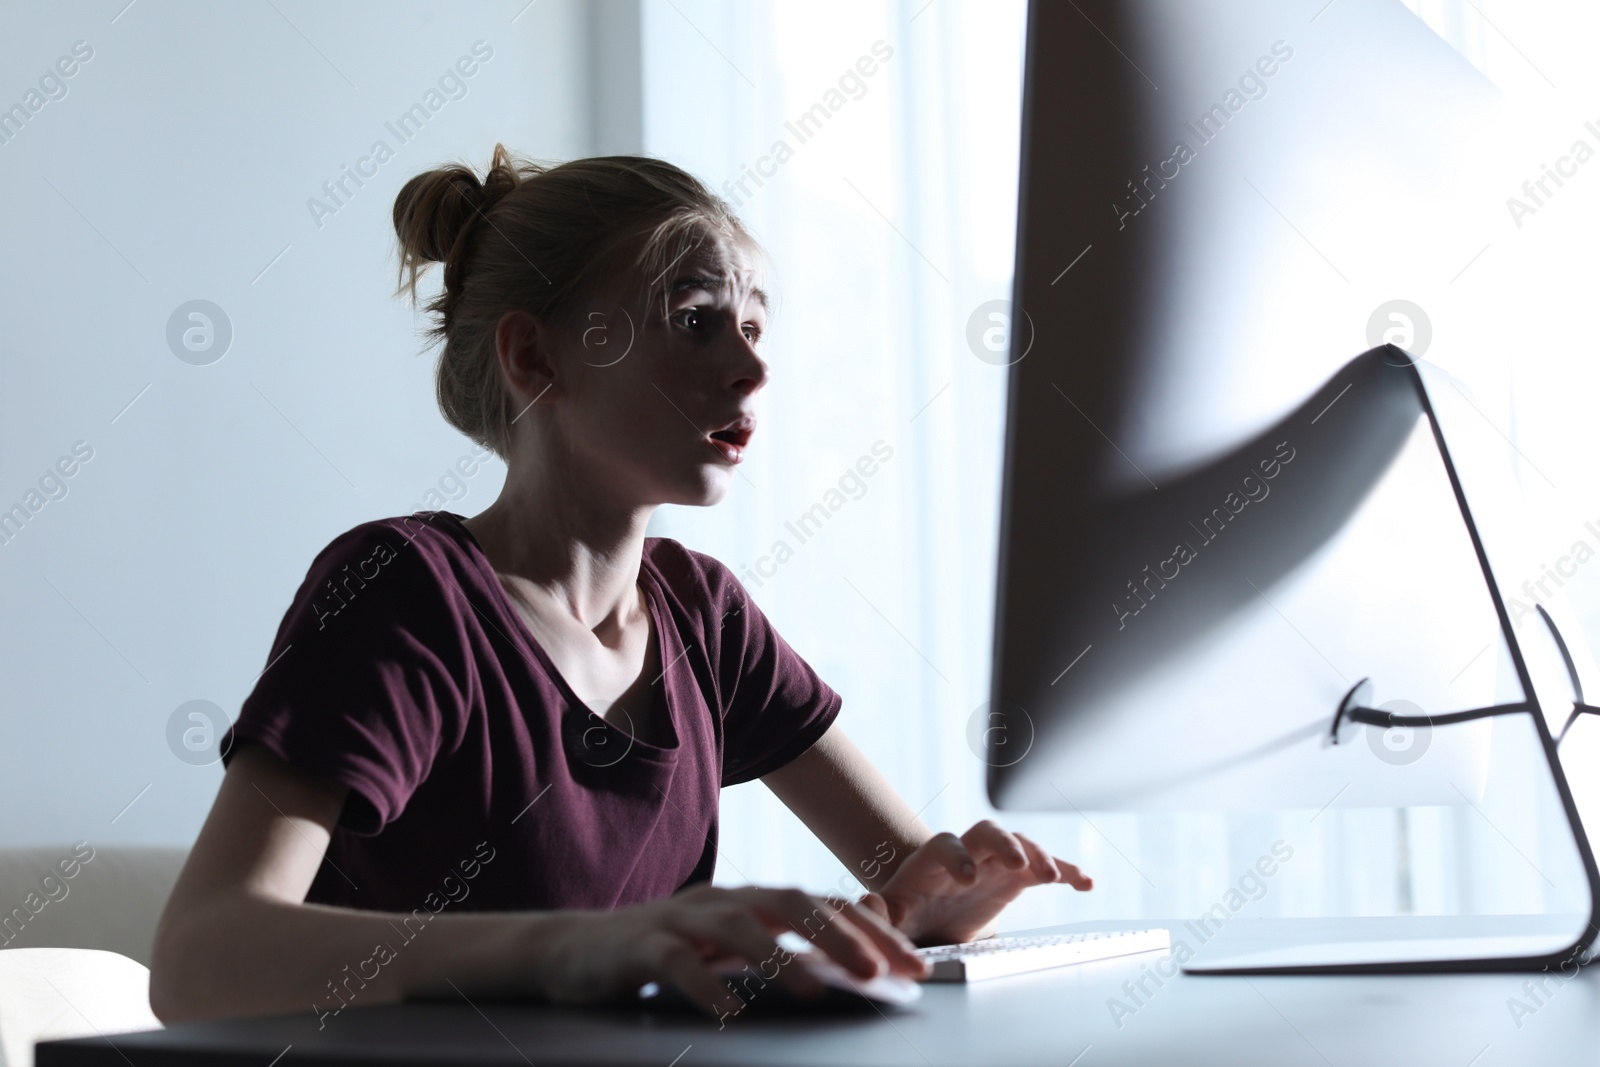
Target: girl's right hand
589, 957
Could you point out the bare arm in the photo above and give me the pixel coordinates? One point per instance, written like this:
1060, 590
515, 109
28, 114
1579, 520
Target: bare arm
842, 798
236, 937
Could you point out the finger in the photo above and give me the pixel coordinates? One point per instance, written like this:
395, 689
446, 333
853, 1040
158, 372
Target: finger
841, 932
948, 851
1039, 861
681, 966
897, 949
819, 922
891, 912
878, 905
731, 928
1073, 875
988, 838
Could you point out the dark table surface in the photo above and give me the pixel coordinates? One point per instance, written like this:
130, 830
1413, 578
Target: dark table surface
1079, 1016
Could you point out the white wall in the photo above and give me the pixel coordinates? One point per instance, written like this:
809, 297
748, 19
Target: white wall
178, 166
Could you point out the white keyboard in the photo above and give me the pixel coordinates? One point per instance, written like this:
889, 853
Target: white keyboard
996, 957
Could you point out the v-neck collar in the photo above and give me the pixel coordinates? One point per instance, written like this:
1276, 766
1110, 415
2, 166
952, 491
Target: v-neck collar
531, 648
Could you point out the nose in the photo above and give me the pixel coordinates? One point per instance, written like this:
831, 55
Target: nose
750, 371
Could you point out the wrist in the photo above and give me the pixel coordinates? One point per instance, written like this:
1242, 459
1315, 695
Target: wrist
901, 915
906, 917
544, 949
477, 955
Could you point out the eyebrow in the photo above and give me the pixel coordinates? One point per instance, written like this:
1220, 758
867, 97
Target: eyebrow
714, 285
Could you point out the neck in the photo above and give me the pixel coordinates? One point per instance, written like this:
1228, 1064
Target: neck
579, 546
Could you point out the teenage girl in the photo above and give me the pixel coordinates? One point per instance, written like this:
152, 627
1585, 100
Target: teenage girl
485, 755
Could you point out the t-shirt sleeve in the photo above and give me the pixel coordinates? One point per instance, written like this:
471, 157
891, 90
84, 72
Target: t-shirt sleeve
364, 683
775, 706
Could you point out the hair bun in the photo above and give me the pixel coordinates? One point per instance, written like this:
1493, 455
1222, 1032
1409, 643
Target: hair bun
436, 210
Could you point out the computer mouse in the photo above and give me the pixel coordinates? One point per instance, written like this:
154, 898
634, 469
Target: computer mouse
843, 993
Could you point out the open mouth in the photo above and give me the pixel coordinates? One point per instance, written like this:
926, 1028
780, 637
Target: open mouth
733, 438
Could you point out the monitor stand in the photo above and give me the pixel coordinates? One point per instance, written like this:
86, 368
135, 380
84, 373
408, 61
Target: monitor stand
1386, 944
1434, 944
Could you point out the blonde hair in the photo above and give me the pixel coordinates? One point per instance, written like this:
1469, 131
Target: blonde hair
539, 238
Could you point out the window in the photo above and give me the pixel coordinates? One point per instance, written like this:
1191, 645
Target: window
873, 149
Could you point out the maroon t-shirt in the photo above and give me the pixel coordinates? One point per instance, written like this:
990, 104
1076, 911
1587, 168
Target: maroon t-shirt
403, 671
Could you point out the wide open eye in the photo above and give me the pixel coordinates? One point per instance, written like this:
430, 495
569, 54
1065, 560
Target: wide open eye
689, 318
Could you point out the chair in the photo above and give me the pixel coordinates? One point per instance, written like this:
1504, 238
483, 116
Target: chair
75, 950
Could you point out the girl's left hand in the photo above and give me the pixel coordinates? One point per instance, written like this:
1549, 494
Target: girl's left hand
952, 888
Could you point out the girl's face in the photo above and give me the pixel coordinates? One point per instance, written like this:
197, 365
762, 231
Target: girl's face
657, 403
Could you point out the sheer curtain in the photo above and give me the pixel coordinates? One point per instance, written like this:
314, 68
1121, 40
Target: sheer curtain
888, 135
872, 148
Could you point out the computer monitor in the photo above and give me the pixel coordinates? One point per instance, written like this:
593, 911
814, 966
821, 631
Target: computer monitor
1202, 635
1225, 501
1197, 560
